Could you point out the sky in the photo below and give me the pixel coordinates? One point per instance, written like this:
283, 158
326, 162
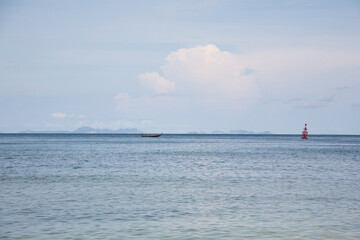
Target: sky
180, 66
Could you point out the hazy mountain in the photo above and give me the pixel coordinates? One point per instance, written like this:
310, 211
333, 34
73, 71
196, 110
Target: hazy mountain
230, 132
247, 132
90, 130
31, 131
135, 130
105, 130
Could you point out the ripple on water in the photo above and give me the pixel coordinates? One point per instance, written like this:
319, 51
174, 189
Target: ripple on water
179, 187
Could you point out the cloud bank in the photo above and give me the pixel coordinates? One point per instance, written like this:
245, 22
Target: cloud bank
204, 74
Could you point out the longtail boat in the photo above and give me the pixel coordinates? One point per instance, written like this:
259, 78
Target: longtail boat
151, 135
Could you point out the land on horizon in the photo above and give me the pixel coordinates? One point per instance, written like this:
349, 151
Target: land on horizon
86, 129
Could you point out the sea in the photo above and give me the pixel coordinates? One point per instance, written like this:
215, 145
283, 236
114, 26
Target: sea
179, 186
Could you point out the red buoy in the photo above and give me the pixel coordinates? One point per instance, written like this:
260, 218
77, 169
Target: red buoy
305, 133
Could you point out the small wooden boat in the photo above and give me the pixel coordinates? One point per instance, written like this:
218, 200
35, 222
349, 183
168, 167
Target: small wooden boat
151, 135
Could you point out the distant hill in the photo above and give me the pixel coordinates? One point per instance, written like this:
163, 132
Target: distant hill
247, 132
31, 131
135, 130
90, 130
105, 130
230, 132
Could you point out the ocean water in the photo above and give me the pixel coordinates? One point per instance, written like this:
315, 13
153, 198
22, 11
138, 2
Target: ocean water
104, 186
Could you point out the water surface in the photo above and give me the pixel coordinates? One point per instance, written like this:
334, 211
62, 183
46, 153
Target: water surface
104, 186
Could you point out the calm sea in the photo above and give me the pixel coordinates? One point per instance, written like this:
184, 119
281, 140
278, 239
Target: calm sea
103, 186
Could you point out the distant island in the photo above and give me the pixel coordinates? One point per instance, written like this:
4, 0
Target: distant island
247, 132
90, 130
136, 131
94, 130
231, 132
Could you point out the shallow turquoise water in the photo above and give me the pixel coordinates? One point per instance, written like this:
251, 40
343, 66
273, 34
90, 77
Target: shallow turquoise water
68, 186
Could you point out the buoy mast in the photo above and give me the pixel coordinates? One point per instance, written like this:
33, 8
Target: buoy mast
305, 133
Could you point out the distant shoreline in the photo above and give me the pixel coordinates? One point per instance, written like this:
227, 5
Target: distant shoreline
195, 134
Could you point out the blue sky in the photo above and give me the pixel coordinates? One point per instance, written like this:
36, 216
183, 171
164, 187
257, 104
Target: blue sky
180, 66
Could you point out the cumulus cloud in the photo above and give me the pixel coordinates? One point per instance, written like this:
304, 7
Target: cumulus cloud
206, 74
205, 71
156, 83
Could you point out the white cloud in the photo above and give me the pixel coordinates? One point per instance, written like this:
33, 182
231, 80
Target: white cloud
208, 73
59, 115
156, 83
206, 76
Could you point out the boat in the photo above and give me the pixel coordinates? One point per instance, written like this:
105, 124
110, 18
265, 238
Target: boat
151, 135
